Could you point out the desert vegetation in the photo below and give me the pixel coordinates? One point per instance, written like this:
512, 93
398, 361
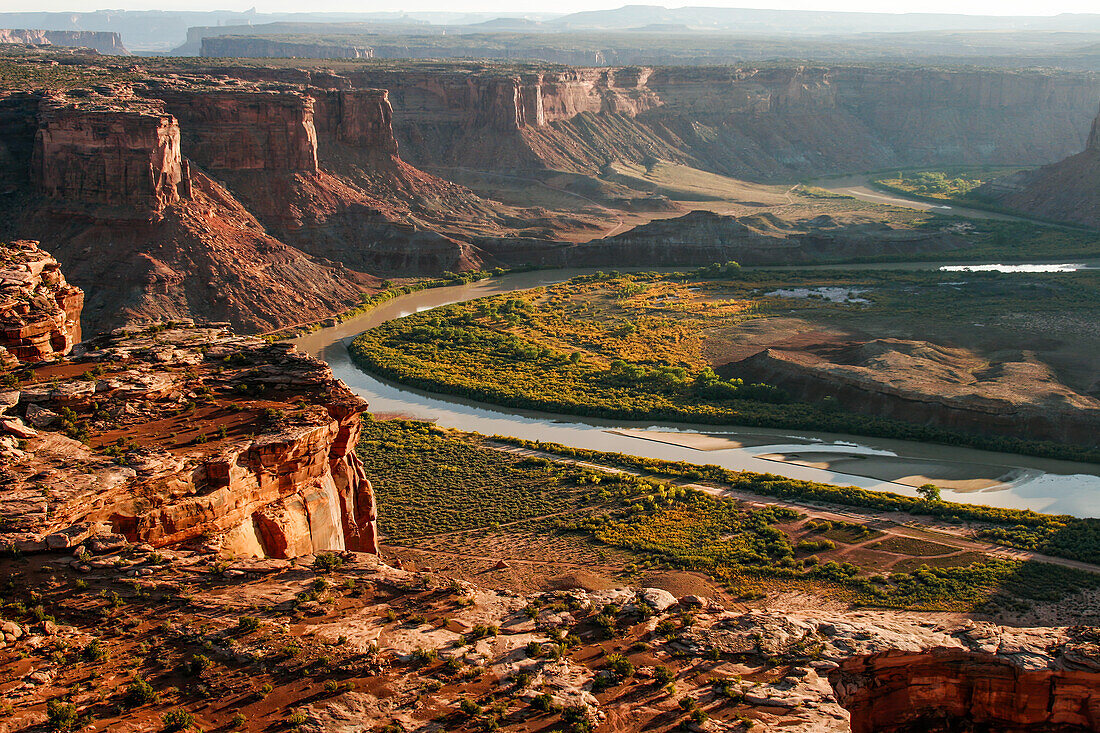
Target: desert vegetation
518, 504
642, 346
1059, 535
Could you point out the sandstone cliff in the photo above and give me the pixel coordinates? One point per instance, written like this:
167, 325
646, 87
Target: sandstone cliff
106, 42
187, 435
999, 686
123, 158
755, 123
39, 310
1068, 190
363, 207
146, 235
891, 673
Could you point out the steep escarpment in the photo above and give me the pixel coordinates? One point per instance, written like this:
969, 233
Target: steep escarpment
935, 385
39, 310
1068, 190
148, 237
186, 435
263, 204
758, 123
360, 208
125, 163
106, 42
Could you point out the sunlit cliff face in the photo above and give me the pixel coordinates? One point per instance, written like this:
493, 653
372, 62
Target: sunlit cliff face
941, 690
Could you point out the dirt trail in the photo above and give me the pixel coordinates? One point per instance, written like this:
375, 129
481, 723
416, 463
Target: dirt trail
886, 522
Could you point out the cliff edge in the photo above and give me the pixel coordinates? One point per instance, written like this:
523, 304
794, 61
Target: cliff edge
184, 435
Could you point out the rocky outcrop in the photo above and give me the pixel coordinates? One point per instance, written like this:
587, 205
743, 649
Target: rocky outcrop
1068, 190
188, 435
39, 310
891, 673
947, 689
106, 42
249, 130
935, 385
117, 153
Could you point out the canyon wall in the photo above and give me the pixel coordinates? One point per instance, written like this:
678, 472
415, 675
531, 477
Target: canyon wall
206, 196
1068, 190
39, 310
102, 178
251, 130
124, 158
950, 689
258, 48
361, 118
102, 41
189, 435
758, 123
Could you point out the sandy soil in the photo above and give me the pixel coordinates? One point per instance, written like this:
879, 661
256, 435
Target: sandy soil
708, 441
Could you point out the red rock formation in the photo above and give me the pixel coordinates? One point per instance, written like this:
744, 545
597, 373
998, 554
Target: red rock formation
125, 156
362, 118
362, 197
206, 255
747, 122
263, 464
149, 238
39, 311
251, 130
106, 42
947, 689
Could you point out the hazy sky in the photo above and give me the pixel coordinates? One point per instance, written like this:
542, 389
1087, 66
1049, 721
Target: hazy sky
975, 7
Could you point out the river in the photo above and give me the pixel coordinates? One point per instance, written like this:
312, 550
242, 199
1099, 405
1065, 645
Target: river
975, 476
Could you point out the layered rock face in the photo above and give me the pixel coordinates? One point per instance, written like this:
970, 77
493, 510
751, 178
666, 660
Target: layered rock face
1068, 190
889, 673
125, 157
102, 41
39, 310
752, 123
926, 383
189, 434
362, 118
950, 689
250, 130
147, 236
